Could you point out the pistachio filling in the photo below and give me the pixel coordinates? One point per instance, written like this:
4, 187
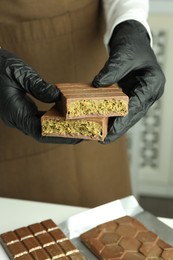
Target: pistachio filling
72, 128
96, 107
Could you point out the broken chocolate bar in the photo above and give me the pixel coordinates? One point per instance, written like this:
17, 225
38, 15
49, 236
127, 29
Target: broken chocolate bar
126, 239
83, 100
39, 241
54, 124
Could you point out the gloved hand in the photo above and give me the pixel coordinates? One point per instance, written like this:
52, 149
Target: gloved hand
133, 65
17, 109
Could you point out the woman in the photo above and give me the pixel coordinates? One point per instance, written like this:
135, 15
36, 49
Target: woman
63, 42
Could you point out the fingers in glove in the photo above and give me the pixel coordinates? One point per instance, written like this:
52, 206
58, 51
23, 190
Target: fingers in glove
111, 73
23, 76
129, 50
120, 62
147, 89
33, 84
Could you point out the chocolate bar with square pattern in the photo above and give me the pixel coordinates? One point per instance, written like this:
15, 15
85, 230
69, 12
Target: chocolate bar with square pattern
126, 239
83, 100
36, 242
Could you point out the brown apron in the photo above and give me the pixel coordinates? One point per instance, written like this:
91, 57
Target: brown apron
63, 41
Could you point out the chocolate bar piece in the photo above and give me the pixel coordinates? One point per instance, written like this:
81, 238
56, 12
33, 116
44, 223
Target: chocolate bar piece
54, 124
83, 100
126, 239
39, 241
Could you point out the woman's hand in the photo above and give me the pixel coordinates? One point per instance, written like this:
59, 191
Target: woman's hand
17, 109
133, 64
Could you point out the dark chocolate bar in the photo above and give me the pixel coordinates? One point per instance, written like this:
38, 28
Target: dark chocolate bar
39, 241
83, 100
54, 124
126, 239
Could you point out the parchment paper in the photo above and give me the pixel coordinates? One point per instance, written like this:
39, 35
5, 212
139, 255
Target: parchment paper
84, 221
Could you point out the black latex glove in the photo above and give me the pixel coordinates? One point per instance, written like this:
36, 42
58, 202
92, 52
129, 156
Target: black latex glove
132, 63
17, 109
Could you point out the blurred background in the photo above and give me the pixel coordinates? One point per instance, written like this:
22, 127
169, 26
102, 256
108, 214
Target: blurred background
151, 140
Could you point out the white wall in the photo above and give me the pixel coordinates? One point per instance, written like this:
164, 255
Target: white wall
161, 6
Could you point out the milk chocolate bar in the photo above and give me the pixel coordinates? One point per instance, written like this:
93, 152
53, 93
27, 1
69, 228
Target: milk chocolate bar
54, 124
83, 100
126, 239
39, 241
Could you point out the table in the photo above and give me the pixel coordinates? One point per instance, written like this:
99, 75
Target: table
16, 213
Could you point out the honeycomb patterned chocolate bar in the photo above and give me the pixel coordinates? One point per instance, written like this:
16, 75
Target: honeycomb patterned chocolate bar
126, 239
39, 241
